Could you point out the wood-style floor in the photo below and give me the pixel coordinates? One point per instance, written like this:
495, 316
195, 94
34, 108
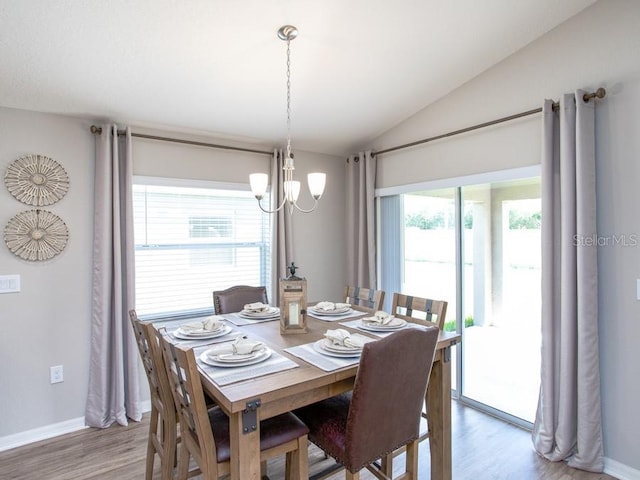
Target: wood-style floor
484, 448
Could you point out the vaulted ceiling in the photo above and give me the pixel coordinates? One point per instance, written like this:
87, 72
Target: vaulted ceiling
217, 67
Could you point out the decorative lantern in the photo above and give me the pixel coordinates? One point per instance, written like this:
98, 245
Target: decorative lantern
293, 303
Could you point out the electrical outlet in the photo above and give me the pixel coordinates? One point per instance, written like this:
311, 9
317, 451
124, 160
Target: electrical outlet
57, 374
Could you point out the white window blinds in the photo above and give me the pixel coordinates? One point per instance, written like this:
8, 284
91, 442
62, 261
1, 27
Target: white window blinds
192, 240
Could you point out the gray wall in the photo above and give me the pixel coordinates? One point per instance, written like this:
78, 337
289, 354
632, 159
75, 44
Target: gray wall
48, 322
599, 47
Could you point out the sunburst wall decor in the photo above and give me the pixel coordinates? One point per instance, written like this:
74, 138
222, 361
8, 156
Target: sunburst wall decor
36, 235
36, 180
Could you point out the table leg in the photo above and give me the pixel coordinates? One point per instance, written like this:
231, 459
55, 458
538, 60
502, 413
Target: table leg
245, 450
439, 415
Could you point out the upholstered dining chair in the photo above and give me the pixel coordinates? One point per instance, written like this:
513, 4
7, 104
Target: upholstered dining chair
419, 310
205, 432
366, 298
162, 439
234, 299
382, 413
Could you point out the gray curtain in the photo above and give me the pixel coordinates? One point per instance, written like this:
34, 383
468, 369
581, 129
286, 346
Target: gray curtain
280, 227
114, 390
568, 420
360, 207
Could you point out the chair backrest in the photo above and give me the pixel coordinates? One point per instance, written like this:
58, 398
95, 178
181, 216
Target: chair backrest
188, 396
151, 355
388, 394
233, 299
420, 310
367, 298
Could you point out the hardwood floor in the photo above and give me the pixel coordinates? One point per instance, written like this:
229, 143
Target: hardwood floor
483, 448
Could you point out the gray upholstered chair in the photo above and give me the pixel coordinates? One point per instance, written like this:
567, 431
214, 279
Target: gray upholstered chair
233, 299
205, 432
382, 413
365, 298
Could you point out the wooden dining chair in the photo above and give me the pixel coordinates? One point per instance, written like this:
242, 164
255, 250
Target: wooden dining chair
419, 310
234, 299
205, 432
424, 311
162, 438
366, 298
382, 413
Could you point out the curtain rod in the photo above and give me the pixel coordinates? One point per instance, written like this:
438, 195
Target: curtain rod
600, 93
97, 131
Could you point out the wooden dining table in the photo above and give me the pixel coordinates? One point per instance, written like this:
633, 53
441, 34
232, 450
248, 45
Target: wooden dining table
249, 401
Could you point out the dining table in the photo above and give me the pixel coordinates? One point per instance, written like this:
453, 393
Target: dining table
296, 374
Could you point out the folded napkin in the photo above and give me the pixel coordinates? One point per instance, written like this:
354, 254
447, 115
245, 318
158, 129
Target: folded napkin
210, 324
342, 337
329, 306
255, 307
240, 346
380, 317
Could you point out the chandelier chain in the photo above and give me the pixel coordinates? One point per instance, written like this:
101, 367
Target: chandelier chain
288, 98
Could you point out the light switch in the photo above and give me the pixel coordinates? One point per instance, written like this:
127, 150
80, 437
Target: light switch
9, 283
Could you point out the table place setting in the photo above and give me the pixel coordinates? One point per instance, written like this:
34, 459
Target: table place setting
240, 359
254, 313
380, 324
204, 331
210, 327
332, 311
338, 349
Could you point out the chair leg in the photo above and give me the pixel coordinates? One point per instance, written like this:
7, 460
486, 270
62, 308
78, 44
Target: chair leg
169, 452
351, 476
411, 465
183, 463
297, 461
151, 450
386, 465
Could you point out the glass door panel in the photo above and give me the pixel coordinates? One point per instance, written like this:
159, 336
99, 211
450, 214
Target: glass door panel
501, 288
429, 267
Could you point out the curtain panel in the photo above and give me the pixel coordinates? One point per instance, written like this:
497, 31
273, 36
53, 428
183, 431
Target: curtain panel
360, 207
114, 387
568, 419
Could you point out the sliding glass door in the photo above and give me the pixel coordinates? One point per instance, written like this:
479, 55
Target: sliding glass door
478, 248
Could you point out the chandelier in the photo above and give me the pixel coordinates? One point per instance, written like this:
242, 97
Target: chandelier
316, 181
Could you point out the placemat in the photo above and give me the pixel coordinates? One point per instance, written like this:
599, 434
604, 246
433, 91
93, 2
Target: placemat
226, 375
327, 363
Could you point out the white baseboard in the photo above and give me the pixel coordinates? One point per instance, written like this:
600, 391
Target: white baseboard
620, 470
49, 431
41, 433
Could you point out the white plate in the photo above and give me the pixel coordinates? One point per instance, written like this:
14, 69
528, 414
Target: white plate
203, 336
396, 324
264, 354
271, 312
319, 347
337, 311
329, 345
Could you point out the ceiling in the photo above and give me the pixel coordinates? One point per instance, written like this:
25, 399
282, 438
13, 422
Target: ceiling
217, 67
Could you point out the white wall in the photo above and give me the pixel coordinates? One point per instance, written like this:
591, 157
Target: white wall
599, 47
48, 322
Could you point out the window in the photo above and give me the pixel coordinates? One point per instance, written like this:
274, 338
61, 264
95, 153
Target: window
192, 238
